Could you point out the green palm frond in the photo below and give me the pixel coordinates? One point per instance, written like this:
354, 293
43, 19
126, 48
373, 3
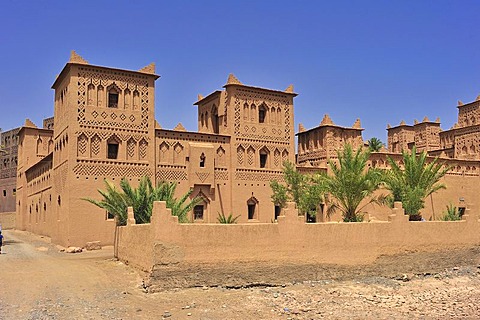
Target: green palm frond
415, 181
141, 200
351, 183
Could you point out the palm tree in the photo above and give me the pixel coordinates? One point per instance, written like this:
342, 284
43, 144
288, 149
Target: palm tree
375, 144
141, 200
114, 201
350, 183
416, 181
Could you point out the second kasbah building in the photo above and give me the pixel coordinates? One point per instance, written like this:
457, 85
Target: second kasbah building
104, 127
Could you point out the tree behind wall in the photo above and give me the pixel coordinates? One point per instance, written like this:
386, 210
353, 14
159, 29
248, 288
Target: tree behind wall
415, 181
299, 188
350, 183
375, 144
141, 200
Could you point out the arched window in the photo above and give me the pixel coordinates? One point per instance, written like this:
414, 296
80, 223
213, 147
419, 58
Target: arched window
91, 95
113, 147
113, 93
100, 95
136, 100
202, 160
253, 112
127, 98
215, 123
252, 205
198, 212
262, 113
263, 157
246, 111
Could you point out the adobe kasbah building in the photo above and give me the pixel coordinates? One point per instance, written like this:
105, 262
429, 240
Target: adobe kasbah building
104, 127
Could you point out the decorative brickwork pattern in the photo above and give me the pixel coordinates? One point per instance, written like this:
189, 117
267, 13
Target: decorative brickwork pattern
91, 78
142, 149
221, 174
259, 175
202, 175
131, 146
106, 169
82, 145
171, 175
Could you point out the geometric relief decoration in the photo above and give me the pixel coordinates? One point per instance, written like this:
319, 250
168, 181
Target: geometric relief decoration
247, 175
124, 84
142, 150
284, 155
163, 155
276, 158
220, 157
95, 145
82, 144
221, 174
171, 175
202, 176
178, 154
250, 156
131, 146
240, 155
98, 170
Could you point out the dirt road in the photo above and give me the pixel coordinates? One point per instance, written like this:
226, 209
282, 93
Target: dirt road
39, 282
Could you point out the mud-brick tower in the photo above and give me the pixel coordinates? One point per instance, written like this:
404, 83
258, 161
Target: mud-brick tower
260, 125
104, 128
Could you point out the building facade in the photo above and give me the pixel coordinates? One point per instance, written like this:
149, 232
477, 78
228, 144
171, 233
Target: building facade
8, 169
104, 128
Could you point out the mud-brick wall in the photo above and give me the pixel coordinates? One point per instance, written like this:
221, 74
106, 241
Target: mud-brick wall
7, 220
188, 252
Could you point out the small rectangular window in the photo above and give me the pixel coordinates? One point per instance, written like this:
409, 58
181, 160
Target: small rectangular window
112, 100
4, 193
278, 210
110, 216
112, 151
198, 212
14, 192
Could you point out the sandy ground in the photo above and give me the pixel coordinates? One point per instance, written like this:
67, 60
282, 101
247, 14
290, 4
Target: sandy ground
39, 282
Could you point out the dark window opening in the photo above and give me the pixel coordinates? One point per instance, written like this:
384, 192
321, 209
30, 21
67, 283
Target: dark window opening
44, 206
216, 126
112, 151
59, 200
4, 193
251, 211
461, 211
311, 218
198, 212
110, 216
278, 210
14, 192
112, 100
261, 115
202, 160
263, 160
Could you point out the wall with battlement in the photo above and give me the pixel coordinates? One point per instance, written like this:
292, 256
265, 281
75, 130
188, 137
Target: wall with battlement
165, 246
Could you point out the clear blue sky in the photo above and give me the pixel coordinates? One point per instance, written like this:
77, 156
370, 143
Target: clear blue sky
380, 61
